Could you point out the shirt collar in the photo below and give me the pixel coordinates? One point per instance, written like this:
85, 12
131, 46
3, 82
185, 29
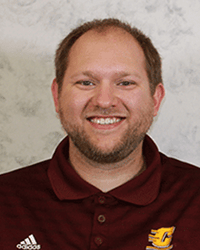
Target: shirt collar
142, 190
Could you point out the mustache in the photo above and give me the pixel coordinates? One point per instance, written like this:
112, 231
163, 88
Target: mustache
111, 111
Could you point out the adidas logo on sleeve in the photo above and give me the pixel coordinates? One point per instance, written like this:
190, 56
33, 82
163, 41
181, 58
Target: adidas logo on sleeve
28, 243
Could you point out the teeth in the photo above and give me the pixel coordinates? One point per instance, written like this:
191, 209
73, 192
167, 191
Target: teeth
105, 121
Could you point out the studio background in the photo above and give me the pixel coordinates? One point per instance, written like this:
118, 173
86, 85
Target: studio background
30, 31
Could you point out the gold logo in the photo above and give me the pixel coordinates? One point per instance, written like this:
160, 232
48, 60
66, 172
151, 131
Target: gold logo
161, 238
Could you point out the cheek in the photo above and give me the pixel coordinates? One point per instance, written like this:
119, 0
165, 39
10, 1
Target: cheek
139, 102
72, 104
132, 100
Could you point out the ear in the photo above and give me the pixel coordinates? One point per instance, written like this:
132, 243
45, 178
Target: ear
158, 97
54, 90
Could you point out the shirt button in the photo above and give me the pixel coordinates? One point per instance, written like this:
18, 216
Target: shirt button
101, 218
98, 241
102, 199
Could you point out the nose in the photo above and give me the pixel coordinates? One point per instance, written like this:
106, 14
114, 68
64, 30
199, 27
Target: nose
105, 95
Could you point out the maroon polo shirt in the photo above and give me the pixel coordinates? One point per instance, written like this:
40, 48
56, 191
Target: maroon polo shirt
48, 206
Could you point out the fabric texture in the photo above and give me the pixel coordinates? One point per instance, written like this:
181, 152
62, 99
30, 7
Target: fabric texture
51, 203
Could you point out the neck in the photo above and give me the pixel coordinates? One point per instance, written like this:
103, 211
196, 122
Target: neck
107, 176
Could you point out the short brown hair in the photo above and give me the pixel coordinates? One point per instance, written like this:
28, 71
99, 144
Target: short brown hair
153, 60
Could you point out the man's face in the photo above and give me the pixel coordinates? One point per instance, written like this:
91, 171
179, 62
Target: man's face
105, 104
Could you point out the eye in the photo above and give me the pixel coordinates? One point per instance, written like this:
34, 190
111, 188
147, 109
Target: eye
85, 83
126, 83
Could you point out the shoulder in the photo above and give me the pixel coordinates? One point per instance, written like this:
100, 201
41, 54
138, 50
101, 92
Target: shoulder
24, 177
178, 165
179, 173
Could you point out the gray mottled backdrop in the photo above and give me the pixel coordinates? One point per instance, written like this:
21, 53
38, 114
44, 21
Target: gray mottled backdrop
30, 31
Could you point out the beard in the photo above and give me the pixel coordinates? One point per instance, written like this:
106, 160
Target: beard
128, 142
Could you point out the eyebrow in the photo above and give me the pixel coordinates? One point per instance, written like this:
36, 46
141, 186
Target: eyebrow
118, 74
124, 74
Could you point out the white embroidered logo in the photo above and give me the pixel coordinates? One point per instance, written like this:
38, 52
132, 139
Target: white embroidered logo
28, 243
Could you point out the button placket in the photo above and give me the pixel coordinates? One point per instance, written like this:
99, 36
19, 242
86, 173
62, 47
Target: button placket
100, 220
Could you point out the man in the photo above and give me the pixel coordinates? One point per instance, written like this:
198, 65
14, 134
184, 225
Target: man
107, 186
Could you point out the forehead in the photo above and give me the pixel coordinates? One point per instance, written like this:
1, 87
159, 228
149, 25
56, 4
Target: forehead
106, 53
110, 38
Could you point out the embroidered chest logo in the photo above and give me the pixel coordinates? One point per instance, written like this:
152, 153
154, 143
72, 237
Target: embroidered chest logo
161, 238
29, 243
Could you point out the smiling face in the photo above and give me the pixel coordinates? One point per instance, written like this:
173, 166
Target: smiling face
105, 104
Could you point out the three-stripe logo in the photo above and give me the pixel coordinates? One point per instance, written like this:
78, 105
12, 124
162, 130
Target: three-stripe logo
29, 243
